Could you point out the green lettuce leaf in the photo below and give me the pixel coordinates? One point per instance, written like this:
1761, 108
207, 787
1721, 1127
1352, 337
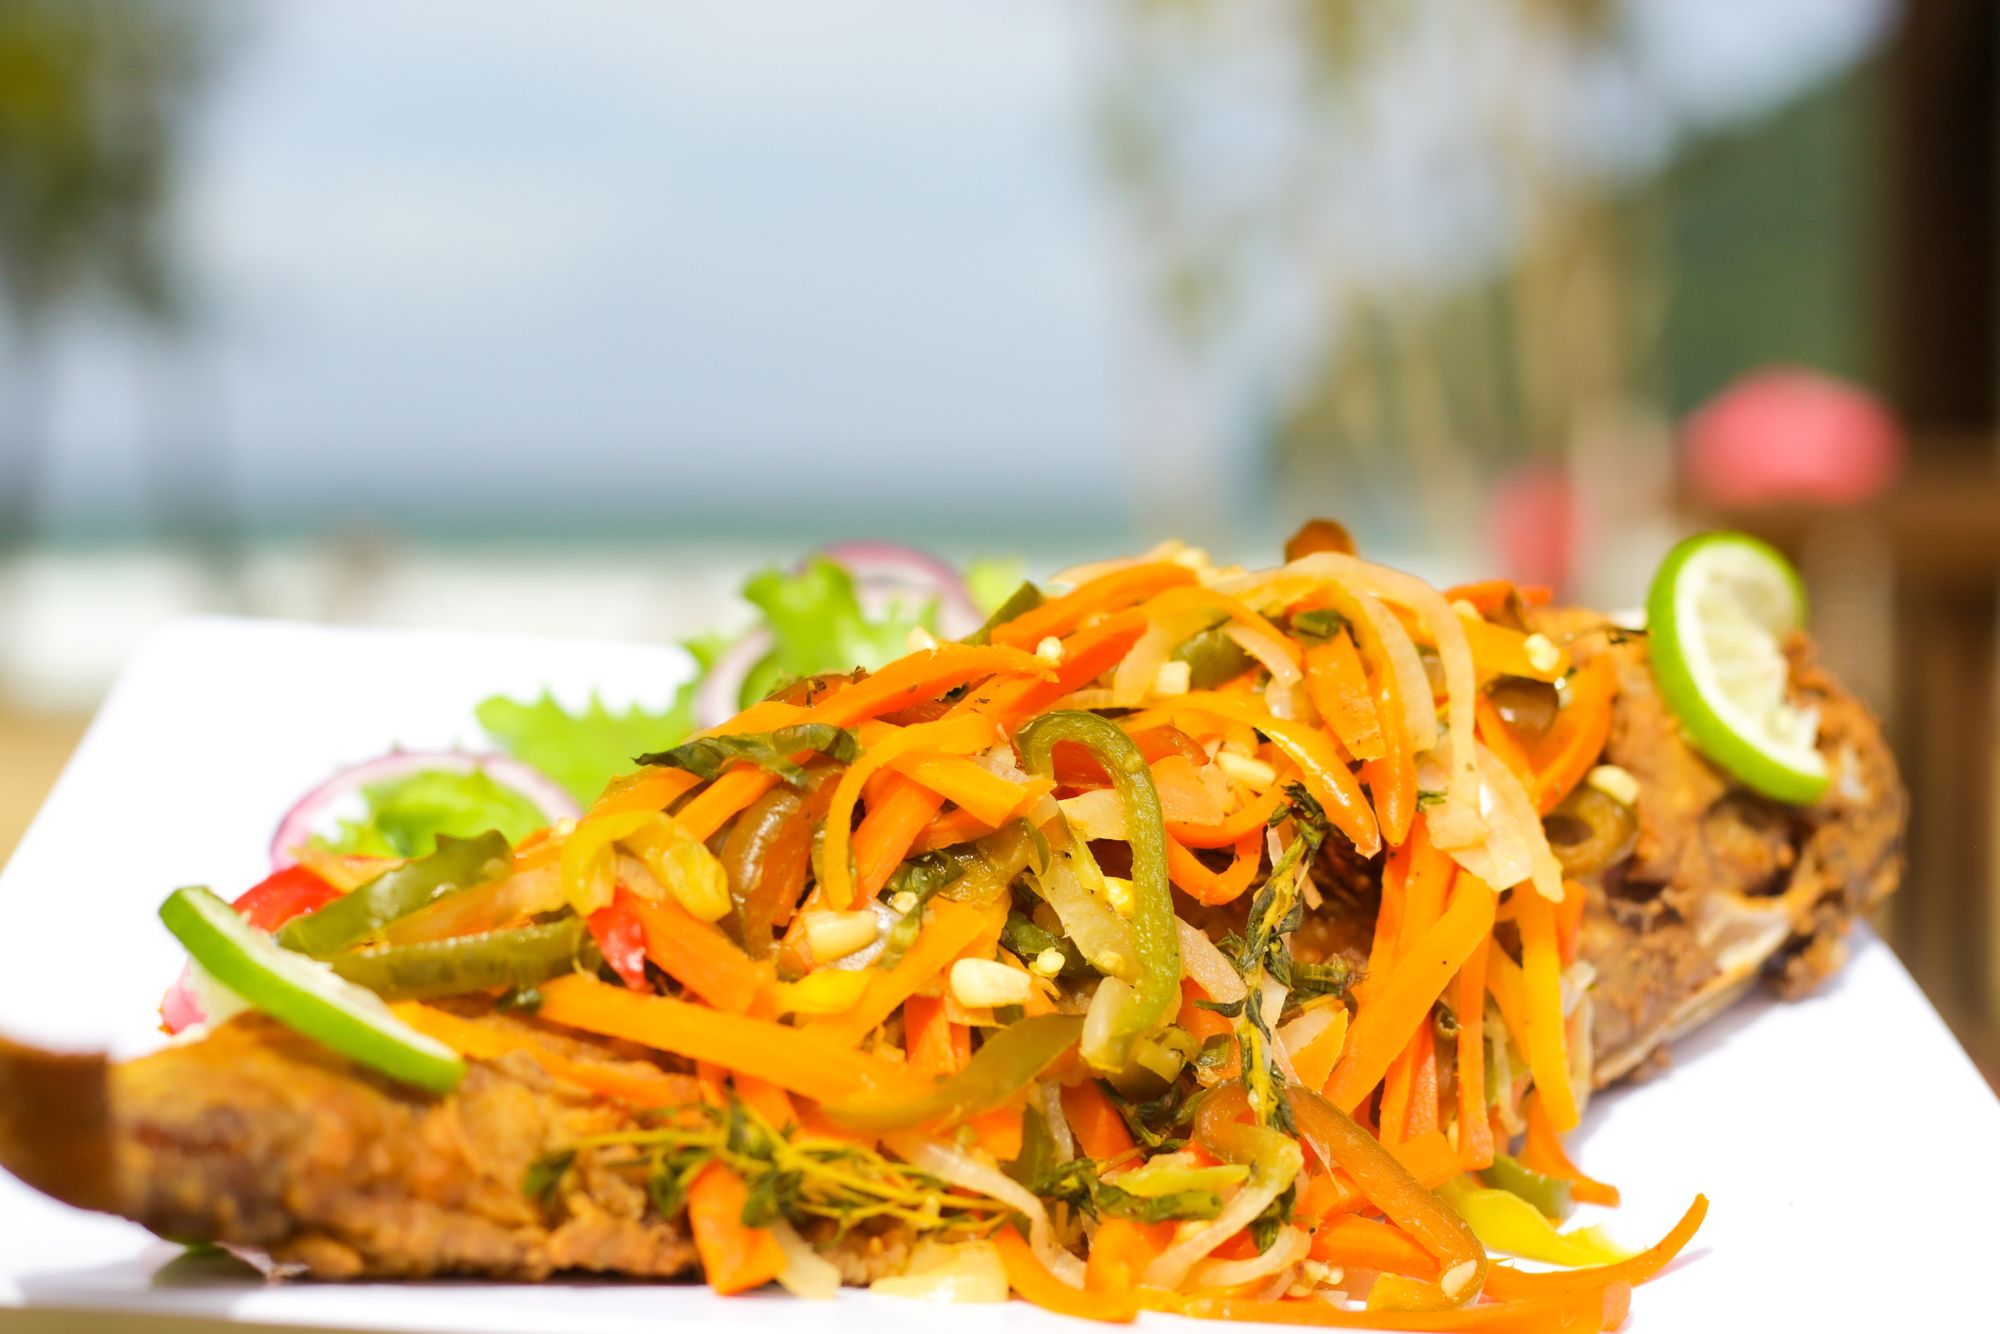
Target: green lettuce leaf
818, 625
406, 815
583, 751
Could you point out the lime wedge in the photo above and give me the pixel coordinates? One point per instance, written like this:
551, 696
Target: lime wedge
305, 995
1717, 614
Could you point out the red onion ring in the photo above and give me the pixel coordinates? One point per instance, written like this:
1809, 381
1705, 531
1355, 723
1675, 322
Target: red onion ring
889, 567
296, 828
720, 695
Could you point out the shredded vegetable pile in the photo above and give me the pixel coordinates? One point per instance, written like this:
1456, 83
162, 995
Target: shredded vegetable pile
994, 945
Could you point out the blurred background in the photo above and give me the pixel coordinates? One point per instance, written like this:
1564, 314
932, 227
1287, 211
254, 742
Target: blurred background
564, 318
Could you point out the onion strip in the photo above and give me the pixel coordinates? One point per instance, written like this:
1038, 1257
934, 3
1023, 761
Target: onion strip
956, 1168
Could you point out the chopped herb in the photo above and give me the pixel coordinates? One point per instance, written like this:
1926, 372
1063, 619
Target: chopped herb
708, 756
545, 1174
1428, 797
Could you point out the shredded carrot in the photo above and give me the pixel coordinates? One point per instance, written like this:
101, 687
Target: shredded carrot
1569, 920
646, 790
1384, 1023
949, 930
959, 733
1251, 819
891, 826
1543, 1151
1211, 887
791, 1058
1087, 655
1027, 1276
1422, 1117
1490, 595
1475, 1132
1315, 1061
1204, 1024
1388, 923
1506, 1283
1576, 738
1500, 739
697, 955
1430, 879
1500, 651
1398, 1081
1541, 970
1367, 1244
1100, 1132
734, 1258
1114, 591
1338, 684
949, 829
933, 1042
971, 786
1589, 1310
627, 1081
1321, 766
767, 1100
999, 1131
1392, 780
1120, 1250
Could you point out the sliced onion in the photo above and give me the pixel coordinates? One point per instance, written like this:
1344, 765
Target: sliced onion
807, 1273
296, 829
1271, 1006
1210, 968
1103, 936
719, 697
1287, 1249
1099, 813
886, 568
1140, 668
1516, 847
954, 1167
1170, 1268
1296, 1036
1282, 692
1061, 1137
965, 1271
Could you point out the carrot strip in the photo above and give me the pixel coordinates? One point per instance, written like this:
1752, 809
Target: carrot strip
1499, 650
1315, 1061
1205, 1024
1100, 1132
1322, 768
1422, 1117
1548, 1057
1367, 1244
713, 807
933, 1042
972, 786
1035, 1284
1388, 924
949, 930
953, 827
1087, 655
734, 1258
767, 1100
697, 955
1506, 1283
1338, 685
1499, 738
999, 1131
1392, 780
1430, 878
1385, 1022
1251, 819
1569, 920
1596, 1308
1543, 1151
1114, 591
1120, 1250
1210, 887
1577, 737
630, 1081
1475, 1132
647, 790
789, 1057
1397, 1083
962, 732
888, 830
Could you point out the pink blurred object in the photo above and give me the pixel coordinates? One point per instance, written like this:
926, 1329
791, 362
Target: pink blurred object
1791, 434
1534, 525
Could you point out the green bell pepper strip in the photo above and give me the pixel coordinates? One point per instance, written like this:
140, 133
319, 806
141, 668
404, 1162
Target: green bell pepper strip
1004, 1065
517, 957
305, 995
1156, 991
1019, 603
458, 863
1550, 1195
1212, 658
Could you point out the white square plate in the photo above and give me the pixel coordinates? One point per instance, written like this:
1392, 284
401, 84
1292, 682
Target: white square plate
1851, 1151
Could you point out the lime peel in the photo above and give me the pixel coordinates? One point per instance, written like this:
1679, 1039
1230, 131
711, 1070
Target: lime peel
1717, 614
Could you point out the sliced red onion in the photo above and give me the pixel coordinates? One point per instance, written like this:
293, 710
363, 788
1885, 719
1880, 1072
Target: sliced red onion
891, 567
298, 825
182, 1009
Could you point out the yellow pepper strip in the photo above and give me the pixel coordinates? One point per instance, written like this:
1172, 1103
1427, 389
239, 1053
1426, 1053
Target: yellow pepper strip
791, 1058
1541, 969
1319, 759
589, 864
954, 735
1506, 1222
950, 929
823, 991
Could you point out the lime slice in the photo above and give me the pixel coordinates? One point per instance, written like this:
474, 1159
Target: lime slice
1718, 613
305, 995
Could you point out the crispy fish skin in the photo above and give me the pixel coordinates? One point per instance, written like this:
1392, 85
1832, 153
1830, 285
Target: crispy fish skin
1725, 887
256, 1137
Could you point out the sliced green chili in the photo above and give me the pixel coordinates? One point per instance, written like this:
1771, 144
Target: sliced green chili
518, 957
1155, 993
1212, 658
1550, 1195
1004, 1064
458, 863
